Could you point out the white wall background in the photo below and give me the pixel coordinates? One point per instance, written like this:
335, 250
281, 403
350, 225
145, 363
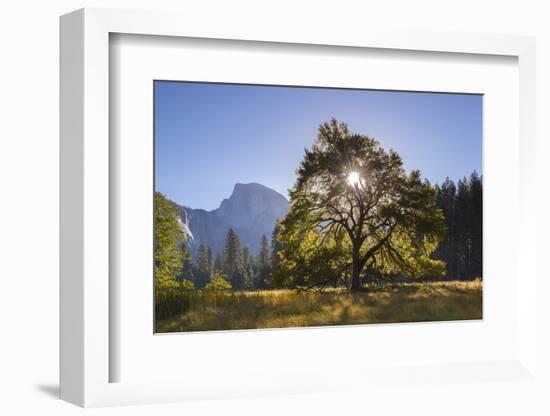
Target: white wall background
29, 188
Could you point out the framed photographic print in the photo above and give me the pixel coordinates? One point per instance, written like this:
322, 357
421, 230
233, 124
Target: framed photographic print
237, 208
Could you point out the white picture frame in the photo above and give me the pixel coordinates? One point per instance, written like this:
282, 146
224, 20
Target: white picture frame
86, 356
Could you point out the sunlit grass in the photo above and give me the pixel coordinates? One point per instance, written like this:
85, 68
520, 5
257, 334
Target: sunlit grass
199, 310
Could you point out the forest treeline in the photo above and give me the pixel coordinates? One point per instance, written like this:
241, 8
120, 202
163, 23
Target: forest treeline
235, 267
462, 247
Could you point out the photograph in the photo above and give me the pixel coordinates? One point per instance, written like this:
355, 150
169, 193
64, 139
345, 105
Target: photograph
298, 206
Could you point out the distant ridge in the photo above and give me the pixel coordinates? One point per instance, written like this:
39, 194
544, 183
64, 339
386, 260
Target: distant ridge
251, 210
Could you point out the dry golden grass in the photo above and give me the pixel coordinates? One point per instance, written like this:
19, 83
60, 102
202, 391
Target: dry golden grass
409, 302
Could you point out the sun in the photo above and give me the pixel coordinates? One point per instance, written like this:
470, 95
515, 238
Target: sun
354, 178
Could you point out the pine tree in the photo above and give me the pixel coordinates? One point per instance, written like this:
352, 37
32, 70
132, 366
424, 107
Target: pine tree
210, 259
218, 263
202, 276
446, 200
232, 259
276, 246
187, 272
462, 206
264, 263
476, 224
463, 218
248, 269
246, 255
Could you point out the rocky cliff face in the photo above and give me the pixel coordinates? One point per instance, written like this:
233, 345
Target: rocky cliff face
251, 211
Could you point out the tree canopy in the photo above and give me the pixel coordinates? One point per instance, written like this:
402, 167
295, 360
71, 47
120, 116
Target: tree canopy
170, 251
355, 212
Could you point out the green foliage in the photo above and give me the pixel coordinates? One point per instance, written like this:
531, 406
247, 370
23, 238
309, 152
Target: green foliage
186, 284
170, 252
218, 262
232, 259
462, 248
210, 260
248, 269
276, 246
385, 222
408, 256
310, 259
218, 282
264, 263
202, 263
203, 270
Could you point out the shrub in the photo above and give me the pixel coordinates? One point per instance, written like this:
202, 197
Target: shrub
187, 284
218, 283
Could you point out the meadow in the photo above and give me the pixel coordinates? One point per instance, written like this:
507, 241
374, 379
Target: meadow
180, 310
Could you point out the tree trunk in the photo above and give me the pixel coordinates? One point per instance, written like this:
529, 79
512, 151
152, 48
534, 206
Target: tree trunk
356, 271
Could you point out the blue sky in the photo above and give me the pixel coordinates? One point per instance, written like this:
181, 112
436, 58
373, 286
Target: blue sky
210, 136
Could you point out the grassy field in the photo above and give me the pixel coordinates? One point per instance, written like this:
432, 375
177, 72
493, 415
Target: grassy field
199, 310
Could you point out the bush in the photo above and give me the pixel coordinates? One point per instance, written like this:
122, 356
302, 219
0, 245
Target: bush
218, 283
187, 284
